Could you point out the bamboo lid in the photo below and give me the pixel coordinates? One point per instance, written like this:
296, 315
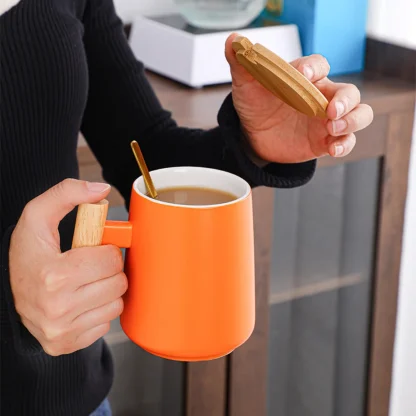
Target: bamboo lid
280, 78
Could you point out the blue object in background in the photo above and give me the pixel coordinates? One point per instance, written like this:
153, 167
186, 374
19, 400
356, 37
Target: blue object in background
335, 29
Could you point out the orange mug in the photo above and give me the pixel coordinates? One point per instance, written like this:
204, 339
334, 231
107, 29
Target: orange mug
190, 268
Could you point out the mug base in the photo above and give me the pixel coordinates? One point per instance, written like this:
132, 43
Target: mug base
188, 359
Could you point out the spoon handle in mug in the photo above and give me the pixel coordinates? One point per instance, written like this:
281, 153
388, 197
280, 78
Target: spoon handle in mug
89, 225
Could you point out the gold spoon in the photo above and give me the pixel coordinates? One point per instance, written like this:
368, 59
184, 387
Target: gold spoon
143, 168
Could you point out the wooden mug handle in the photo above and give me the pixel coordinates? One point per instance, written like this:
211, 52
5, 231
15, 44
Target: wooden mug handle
89, 225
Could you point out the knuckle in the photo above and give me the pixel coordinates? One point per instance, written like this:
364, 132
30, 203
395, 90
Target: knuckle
49, 280
350, 140
122, 283
117, 307
369, 111
19, 305
106, 328
51, 350
54, 309
52, 333
66, 183
61, 187
357, 92
75, 259
353, 121
29, 212
324, 61
55, 350
350, 143
297, 62
58, 189
115, 258
323, 66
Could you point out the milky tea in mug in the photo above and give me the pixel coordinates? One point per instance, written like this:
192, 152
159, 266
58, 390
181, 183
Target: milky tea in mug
194, 196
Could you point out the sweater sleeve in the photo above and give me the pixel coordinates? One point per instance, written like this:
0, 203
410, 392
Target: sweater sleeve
123, 107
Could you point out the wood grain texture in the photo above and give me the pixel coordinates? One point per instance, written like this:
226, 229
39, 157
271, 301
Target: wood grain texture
206, 387
387, 268
89, 225
248, 364
280, 78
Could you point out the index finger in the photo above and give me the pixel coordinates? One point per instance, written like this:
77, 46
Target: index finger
89, 264
342, 97
314, 67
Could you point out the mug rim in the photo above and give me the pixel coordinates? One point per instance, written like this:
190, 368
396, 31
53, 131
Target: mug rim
234, 177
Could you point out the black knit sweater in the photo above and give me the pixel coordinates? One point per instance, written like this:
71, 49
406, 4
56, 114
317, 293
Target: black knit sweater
66, 67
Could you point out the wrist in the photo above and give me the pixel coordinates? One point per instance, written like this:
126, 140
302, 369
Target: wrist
251, 154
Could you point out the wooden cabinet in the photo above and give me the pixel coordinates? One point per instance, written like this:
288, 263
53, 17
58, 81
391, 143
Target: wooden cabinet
320, 292
327, 271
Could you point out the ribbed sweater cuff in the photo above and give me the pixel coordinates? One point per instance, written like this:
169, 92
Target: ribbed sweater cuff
25, 342
276, 175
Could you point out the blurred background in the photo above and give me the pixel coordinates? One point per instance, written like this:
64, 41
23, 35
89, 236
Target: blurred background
335, 259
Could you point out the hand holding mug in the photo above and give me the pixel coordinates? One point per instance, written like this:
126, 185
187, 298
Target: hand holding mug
190, 268
65, 300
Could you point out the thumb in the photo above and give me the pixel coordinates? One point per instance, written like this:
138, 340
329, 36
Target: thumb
238, 73
53, 205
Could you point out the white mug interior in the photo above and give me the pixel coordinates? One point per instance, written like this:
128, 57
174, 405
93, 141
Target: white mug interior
190, 176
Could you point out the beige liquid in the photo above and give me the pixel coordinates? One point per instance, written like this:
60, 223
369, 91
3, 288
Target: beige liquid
194, 196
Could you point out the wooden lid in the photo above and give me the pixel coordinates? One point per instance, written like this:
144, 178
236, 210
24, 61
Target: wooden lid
280, 78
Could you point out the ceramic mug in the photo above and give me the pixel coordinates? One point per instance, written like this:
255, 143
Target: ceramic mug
190, 268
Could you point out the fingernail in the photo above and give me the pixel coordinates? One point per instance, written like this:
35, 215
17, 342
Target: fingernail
98, 187
339, 149
308, 71
340, 107
339, 125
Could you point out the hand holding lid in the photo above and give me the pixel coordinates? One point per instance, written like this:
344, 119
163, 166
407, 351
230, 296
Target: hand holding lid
292, 112
280, 78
